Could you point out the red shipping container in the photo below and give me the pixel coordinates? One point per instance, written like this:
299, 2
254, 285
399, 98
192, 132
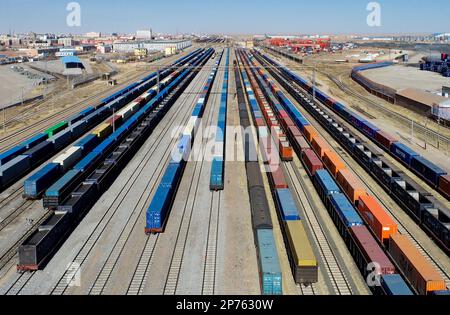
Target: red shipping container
301, 144
376, 218
444, 185
260, 122
386, 140
295, 132
368, 247
116, 120
283, 114
311, 161
287, 122
278, 179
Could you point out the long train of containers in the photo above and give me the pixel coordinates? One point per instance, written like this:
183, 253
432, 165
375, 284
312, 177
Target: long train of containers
160, 207
422, 276
428, 171
92, 176
430, 214
42, 180
217, 175
269, 265
21, 159
304, 265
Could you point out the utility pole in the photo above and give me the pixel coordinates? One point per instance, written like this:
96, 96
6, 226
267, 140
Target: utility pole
314, 83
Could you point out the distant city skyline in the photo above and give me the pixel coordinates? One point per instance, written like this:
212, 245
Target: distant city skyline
226, 17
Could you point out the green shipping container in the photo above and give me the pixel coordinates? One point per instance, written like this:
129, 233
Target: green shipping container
56, 128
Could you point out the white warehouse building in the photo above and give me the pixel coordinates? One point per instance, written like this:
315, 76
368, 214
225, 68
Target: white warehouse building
129, 47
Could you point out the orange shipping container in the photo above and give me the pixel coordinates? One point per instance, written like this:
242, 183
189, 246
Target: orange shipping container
320, 146
420, 273
350, 185
333, 162
376, 218
310, 133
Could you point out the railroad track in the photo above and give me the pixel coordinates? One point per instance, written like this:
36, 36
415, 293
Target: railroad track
176, 262
209, 273
92, 240
401, 226
435, 139
25, 205
8, 257
338, 279
43, 124
13, 196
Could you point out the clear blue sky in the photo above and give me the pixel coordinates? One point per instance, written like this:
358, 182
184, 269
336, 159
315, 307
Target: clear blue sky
226, 16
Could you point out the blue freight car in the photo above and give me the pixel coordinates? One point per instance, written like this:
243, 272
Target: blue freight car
87, 143
61, 139
60, 190
39, 152
286, 205
345, 211
325, 185
429, 171
7, 156
35, 140
271, 278
369, 129
157, 213
402, 152
217, 175
78, 128
394, 285
14, 169
88, 162
39, 182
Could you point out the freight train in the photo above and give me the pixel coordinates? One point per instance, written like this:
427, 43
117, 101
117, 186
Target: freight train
89, 179
217, 175
429, 213
350, 207
21, 159
302, 259
268, 260
436, 177
159, 209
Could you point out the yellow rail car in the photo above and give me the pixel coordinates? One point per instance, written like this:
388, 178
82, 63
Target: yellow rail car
103, 131
301, 255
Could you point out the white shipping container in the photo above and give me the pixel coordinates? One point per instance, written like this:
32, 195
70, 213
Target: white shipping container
218, 149
69, 158
192, 126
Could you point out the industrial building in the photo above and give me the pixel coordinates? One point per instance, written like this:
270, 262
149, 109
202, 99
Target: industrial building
418, 100
130, 47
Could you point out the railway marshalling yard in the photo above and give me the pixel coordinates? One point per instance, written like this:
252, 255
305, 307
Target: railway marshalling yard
208, 245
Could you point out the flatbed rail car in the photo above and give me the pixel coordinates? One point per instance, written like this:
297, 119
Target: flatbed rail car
40, 147
217, 176
432, 174
160, 206
356, 236
430, 214
38, 249
302, 259
268, 261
